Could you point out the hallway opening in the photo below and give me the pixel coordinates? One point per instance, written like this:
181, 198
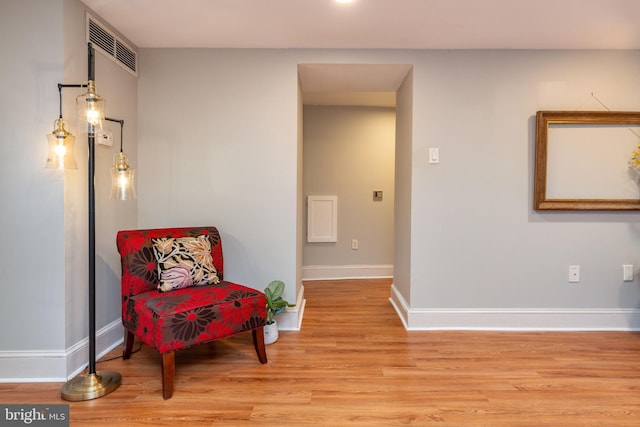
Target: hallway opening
349, 131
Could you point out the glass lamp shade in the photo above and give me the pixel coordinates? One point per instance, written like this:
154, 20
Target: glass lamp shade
91, 106
61, 148
122, 176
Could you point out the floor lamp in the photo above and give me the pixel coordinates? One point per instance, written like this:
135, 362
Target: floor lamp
93, 384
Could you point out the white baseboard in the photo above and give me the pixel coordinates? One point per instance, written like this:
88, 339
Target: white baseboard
400, 305
291, 319
57, 365
525, 319
107, 339
336, 272
32, 366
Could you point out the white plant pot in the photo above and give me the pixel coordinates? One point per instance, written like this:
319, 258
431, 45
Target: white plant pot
271, 333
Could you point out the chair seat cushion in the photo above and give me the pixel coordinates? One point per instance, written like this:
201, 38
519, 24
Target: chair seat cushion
181, 318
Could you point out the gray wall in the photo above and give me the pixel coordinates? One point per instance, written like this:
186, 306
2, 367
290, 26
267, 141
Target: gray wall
476, 240
349, 152
32, 220
219, 146
402, 203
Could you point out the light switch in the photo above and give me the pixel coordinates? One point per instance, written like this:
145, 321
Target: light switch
434, 155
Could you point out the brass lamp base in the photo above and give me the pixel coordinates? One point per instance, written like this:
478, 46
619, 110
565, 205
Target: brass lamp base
91, 386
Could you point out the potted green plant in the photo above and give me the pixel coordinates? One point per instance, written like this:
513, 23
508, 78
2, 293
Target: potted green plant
275, 305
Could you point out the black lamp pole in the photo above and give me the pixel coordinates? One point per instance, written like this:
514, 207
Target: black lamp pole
91, 140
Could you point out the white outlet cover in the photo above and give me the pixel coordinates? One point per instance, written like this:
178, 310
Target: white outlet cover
574, 273
104, 138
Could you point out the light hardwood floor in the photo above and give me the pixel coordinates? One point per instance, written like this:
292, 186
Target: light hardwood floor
353, 363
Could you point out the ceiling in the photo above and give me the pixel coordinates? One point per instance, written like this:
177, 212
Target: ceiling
374, 24
388, 24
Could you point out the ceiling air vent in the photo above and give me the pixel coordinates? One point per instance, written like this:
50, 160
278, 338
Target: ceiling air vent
106, 42
126, 56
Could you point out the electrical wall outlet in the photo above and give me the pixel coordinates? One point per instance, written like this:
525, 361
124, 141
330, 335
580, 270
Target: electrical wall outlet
354, 244
627, 272
574, 273
104, 138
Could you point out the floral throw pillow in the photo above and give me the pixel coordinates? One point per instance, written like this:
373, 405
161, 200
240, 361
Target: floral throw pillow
184, 262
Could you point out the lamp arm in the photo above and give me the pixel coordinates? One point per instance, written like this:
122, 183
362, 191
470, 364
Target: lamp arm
121, 128
60, 86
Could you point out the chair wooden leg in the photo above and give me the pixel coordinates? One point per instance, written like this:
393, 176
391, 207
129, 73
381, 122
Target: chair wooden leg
168, 371
258, 343
127, 347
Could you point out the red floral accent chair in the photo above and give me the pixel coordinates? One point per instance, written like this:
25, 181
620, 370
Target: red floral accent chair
186, 316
